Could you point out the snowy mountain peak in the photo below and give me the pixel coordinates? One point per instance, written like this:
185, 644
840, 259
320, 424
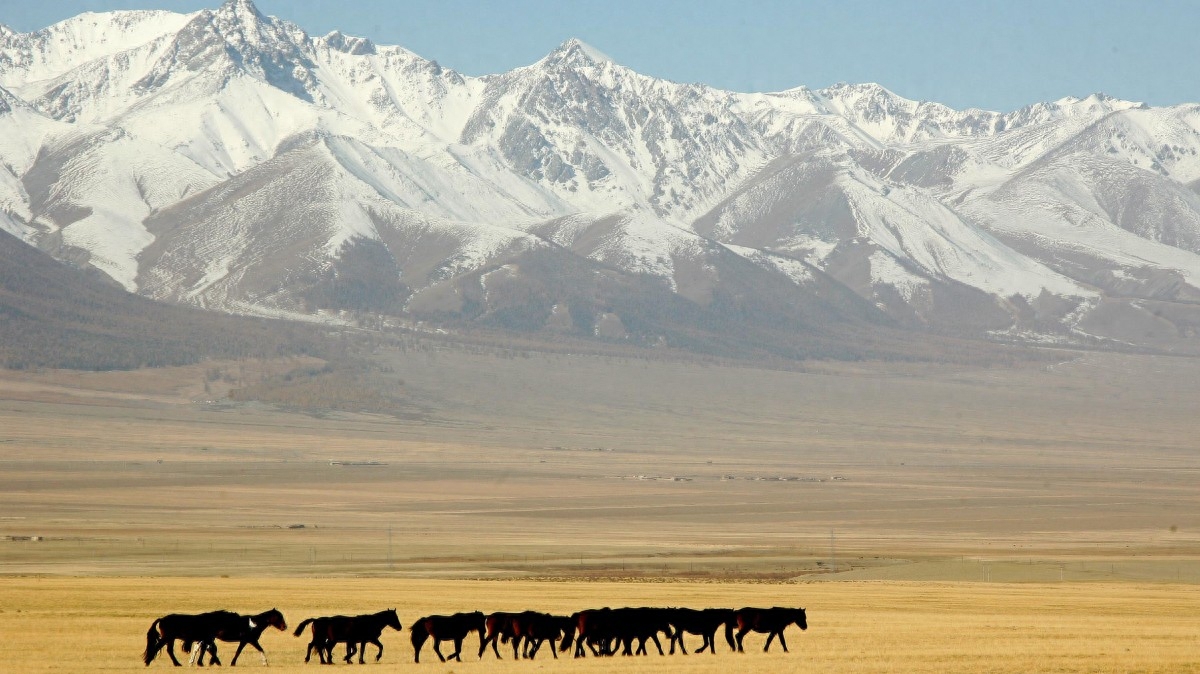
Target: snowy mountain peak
577, 53
244, 9
350, 44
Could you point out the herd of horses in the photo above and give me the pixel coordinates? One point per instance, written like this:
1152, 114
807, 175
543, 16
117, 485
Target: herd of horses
603, 631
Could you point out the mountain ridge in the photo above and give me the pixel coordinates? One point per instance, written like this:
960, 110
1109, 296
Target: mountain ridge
1032, 225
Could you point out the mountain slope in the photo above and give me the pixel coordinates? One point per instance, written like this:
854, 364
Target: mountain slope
54, 316
227, 159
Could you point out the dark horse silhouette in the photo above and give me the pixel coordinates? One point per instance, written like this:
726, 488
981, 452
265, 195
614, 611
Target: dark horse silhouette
318, 642
207, 628
537, 628
354, 631
593, 629
769, 621
498, 627
601, 629
446, 628
641, 623
704, 622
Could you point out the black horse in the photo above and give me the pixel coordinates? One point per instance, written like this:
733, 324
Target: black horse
446, 628
704, 622
206, 629
769, 621
537, 628
354, 631
640, 623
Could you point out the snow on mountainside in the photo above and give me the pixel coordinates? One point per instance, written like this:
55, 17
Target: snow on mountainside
228, 159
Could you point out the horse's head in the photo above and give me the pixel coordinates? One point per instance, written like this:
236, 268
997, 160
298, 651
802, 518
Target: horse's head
477, 621
274, 619
800, 618
392, 620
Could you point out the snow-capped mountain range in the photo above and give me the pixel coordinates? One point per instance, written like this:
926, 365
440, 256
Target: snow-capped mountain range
230, 160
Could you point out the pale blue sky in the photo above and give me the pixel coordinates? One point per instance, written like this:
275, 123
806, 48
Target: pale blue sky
995, 55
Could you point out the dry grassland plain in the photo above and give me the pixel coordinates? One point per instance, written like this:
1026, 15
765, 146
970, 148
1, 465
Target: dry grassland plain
1037, 517
99, 624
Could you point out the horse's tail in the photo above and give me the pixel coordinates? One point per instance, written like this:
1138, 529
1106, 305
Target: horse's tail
419, 636
568, 639
153, 643
301, 626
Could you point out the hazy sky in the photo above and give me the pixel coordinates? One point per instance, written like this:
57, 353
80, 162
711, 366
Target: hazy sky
995, 55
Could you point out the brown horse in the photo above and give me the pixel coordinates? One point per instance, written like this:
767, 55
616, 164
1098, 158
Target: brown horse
320, 628
354, 631
704, 622
498, 627
207, 628
593, 629
601, 629
446, 628
769, 621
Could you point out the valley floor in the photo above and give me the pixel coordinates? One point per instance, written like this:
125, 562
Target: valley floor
99, 624
593, 467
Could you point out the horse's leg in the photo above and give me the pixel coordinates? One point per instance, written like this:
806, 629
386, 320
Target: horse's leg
212, 654
657, 643
769, 638
171, 652
261, 653
241, 645
437, 649
458, 649
782, 641
483, 643
741, 633
379, 645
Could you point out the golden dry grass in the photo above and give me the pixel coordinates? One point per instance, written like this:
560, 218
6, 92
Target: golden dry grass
79, 625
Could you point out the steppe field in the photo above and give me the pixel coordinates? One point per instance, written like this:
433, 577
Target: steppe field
94, 624
1036, 516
